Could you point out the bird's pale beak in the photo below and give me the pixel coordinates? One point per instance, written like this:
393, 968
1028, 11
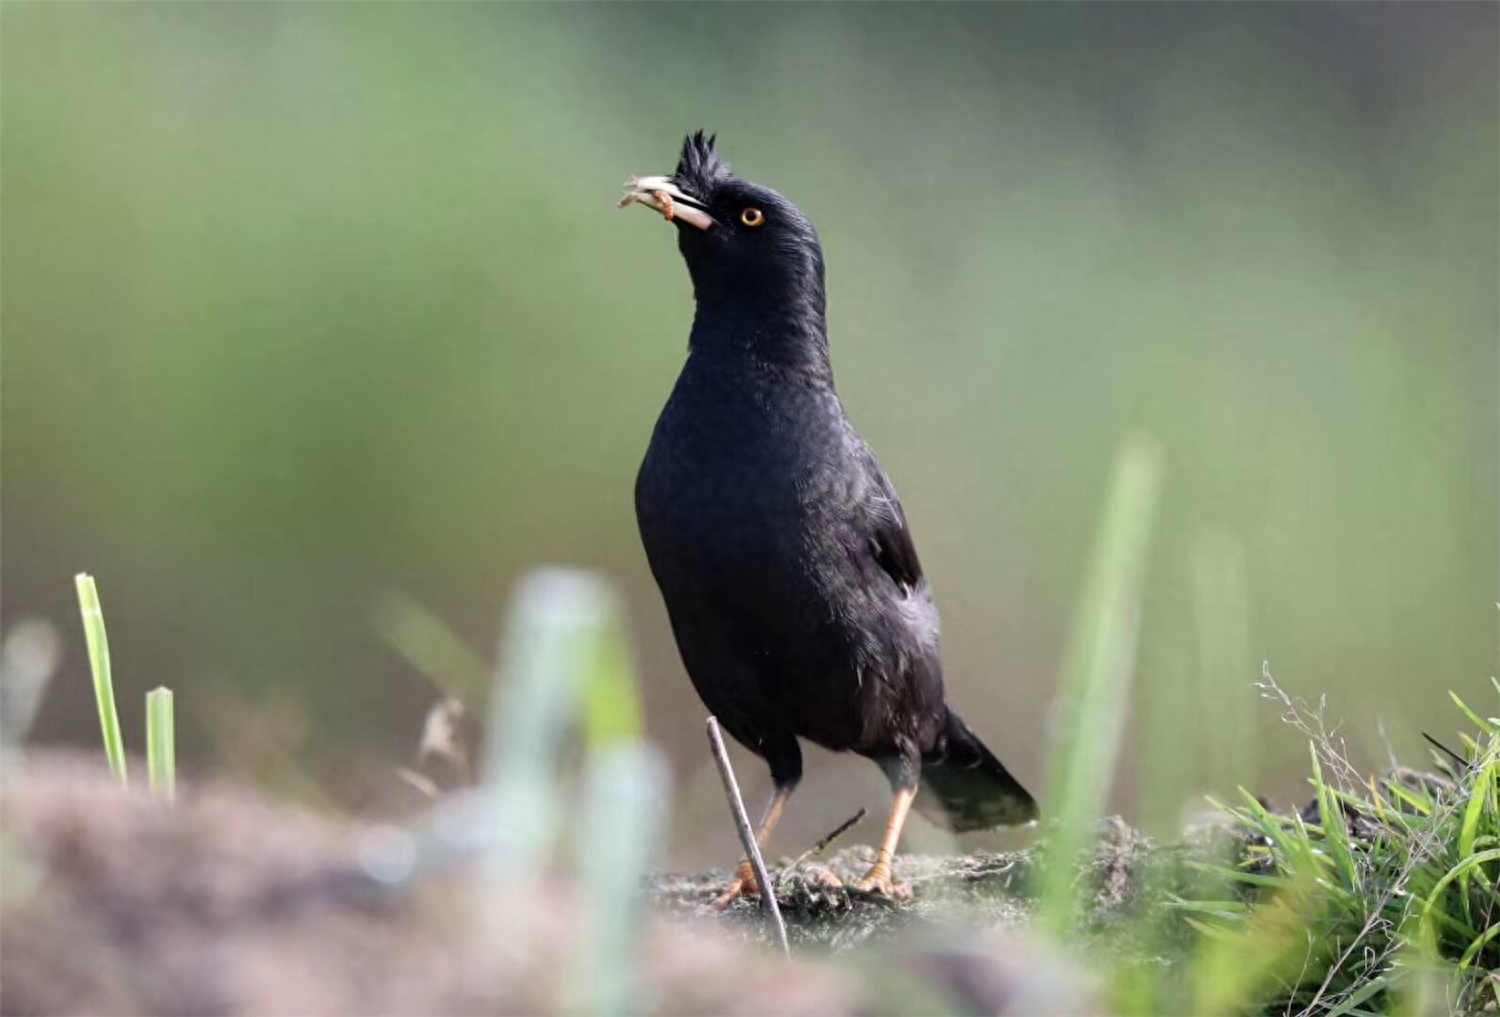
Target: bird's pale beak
664, 196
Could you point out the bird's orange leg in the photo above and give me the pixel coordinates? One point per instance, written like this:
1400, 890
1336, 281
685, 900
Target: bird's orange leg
744, 876
878, 879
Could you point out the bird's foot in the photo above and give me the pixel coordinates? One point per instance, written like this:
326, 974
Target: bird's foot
742, 885
878, 881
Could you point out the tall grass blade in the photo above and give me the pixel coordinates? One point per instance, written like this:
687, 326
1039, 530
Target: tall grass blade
104, 689
1097, 673
161, 743
626, 789
1468, 831
549, 657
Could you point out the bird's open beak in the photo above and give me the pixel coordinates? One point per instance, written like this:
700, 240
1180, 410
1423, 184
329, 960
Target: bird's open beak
667, 198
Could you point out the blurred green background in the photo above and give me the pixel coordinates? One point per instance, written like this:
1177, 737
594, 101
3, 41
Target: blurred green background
305, 304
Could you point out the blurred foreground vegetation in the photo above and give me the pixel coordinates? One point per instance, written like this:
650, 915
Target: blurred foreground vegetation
525, 893
310, 306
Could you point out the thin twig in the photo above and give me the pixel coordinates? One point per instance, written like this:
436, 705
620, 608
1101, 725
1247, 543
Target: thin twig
822, 845
747, 835
1459, 761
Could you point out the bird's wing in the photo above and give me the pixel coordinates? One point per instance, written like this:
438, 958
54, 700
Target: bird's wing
890, 538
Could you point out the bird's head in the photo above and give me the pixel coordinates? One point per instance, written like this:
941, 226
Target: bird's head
747, 248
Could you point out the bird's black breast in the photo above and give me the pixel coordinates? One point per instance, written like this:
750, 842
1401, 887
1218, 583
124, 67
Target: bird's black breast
739, 470
755, 505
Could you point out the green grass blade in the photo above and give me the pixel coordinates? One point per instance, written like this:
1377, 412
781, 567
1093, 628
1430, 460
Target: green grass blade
1430, 909
1478, 945
1423, 803
161, 743
1097, 674
104, 689
1211, 907
1335, 831
1227, 874
1453, 923
1256, 814
1374, 807
1469, 830
1350, 1006
1477, 720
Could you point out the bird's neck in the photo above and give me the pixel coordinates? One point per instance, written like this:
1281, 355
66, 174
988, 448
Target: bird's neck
791, 335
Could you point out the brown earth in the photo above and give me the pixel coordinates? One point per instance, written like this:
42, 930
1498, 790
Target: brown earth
228, 902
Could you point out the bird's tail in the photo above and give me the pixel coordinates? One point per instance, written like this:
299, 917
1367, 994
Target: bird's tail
964, 787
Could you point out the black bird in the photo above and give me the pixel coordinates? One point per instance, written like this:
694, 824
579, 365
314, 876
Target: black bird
781, 550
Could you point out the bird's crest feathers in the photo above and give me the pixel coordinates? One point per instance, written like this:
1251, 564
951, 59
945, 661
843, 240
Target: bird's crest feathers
699, 168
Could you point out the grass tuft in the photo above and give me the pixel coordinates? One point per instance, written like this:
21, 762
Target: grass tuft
1391, 882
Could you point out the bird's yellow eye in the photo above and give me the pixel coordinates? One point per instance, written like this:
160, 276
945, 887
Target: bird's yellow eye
752, 217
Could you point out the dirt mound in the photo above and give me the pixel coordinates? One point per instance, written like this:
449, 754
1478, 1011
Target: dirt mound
229, 903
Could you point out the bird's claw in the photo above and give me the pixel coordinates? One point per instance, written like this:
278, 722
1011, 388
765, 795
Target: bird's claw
878, 881
668, 210
731, 893
743, 885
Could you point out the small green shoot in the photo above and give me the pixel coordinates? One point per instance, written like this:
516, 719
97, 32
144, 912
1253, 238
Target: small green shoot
104, 689
161, 743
